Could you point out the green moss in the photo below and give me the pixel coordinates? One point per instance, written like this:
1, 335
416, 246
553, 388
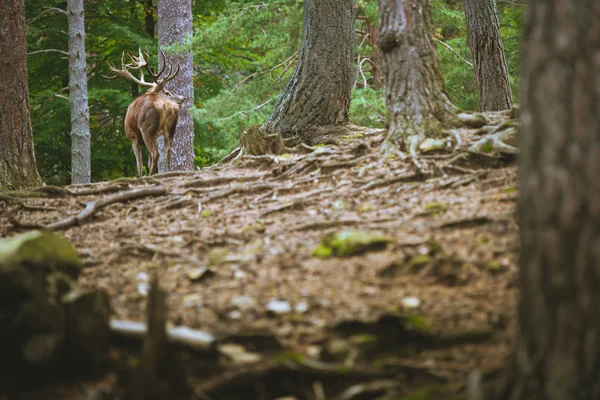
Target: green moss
420, 261
322, 251
347, 243
38, 247
435, 207
289, 355
494, 266
418, 323
206, 213
435, 246
510, 189
351, 137
364, 338
487, 147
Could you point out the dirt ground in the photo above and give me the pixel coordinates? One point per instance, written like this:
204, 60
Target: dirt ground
234, 246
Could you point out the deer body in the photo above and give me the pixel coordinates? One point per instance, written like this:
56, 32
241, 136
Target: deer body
147, 118
152, 114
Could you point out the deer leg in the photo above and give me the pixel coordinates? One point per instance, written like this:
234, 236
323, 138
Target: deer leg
169, 135
153, 157
168, 145
137, 150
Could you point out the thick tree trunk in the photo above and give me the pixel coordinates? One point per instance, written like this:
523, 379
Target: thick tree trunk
559, 209
17, 161
318, 95
78, 96
417, 105
175, 29
483, 38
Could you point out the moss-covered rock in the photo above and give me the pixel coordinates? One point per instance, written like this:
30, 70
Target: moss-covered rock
351, 242
42, 324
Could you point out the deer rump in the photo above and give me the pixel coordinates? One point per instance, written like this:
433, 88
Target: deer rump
147, 118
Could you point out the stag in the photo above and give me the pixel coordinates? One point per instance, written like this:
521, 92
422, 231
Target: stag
152, 114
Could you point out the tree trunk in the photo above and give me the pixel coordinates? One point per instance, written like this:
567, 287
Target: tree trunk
558, 342
489, 63
17, 161
318, 95
78, 96
175, 29
149, 21
417, 105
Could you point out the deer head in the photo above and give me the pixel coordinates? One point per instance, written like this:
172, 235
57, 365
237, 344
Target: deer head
158, 80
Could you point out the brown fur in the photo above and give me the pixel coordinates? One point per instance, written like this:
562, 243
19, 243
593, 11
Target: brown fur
148, 117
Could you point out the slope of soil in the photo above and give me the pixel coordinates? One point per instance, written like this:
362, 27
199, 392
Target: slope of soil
234, 245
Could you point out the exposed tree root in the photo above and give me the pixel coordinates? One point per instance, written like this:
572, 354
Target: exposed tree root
92, 208
222, 180
243, 188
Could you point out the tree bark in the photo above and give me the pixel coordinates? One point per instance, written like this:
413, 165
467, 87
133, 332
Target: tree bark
81, 170
175, 30
489, 62
417, 105
17, 160
318, 95
558, 342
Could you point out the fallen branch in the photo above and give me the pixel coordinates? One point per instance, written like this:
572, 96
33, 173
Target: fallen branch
326, 224
389, 181
190, 338
92, 207
106, 189
222, 180
298, 200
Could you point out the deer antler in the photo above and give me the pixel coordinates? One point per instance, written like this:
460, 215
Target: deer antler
140, 63
137, 64
157, 77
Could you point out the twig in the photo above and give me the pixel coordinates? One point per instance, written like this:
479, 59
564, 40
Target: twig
285, 62
66, 53
454, 51
92, 207
47, 11
258, 107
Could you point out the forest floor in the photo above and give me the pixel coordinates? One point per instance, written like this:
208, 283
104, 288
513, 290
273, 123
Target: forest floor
429, 292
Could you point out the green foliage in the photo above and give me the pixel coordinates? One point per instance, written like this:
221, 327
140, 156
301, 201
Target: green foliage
242, 51
368, 107
244, 55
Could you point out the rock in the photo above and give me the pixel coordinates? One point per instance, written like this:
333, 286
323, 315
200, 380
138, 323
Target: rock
351, 242
200, 274
472, 120
45, 323
279, 307
301, 307
243, 302
411, 302
238, 354
430, 144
